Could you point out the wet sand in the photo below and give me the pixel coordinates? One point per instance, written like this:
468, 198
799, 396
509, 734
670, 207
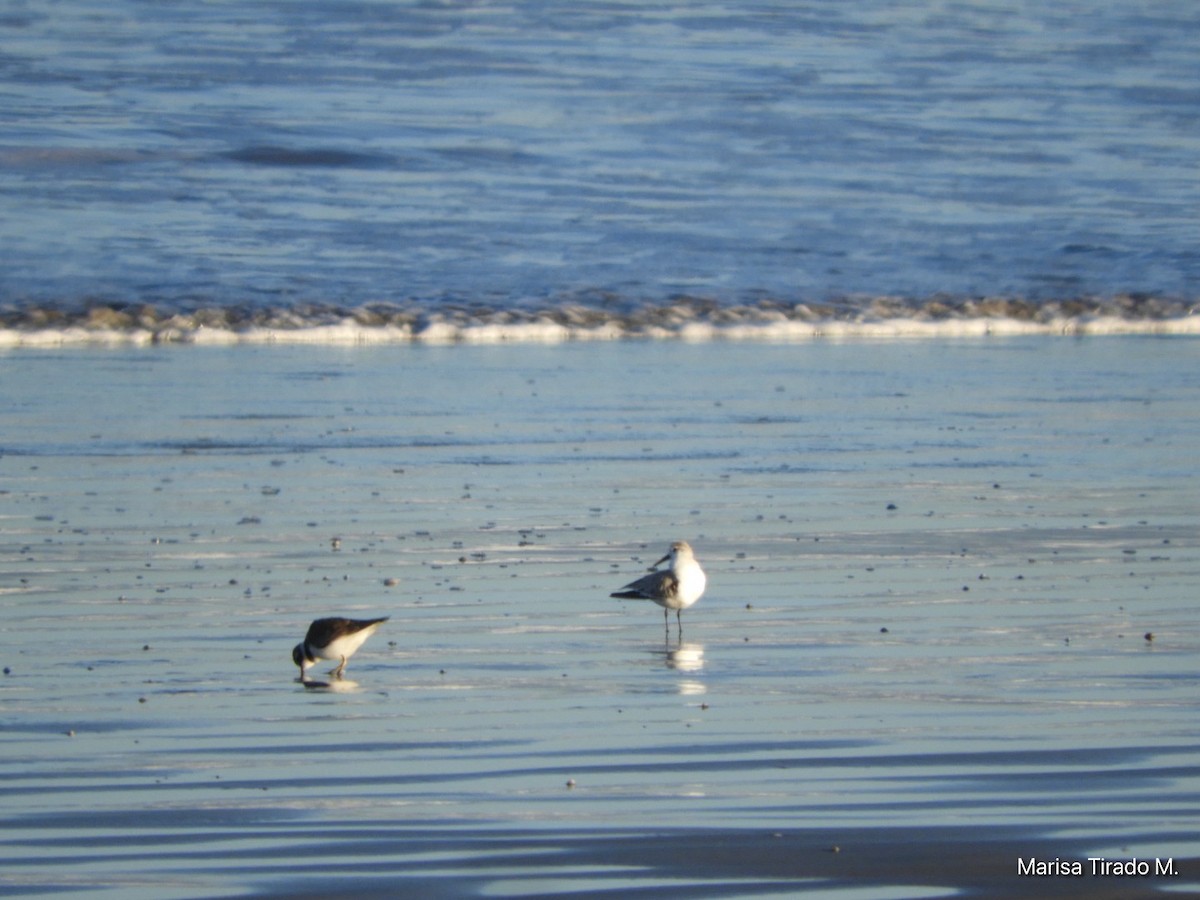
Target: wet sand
903, 862
932, 573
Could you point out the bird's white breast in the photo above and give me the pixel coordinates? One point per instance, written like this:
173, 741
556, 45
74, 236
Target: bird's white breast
345, 645
692, 582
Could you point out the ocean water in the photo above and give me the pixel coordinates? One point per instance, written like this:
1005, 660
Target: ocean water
460, 312
492, 160
950, 619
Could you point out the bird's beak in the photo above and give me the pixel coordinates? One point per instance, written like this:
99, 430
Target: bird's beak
661, 561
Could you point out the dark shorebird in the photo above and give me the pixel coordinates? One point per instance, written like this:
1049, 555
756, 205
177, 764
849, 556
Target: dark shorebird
675, 588
333, 638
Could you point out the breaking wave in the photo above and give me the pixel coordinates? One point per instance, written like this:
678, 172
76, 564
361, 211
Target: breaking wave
680, 318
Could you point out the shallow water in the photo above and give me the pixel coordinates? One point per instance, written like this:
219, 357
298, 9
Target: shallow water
931, 569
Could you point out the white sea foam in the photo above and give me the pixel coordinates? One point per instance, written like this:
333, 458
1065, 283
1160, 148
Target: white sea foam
544, 330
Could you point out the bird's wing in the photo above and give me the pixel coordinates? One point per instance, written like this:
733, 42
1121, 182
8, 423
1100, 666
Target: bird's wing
324, 631
654, 586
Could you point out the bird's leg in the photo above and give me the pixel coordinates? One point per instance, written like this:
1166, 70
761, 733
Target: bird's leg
666, 624
337, 673
679, 620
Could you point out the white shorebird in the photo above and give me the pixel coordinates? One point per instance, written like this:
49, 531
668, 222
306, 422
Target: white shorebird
333, 638
675, 588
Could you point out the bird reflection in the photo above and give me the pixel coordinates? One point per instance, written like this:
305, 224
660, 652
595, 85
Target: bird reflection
686, 658
337, 686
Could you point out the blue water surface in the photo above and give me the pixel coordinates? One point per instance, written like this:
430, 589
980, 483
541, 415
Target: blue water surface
612, 154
